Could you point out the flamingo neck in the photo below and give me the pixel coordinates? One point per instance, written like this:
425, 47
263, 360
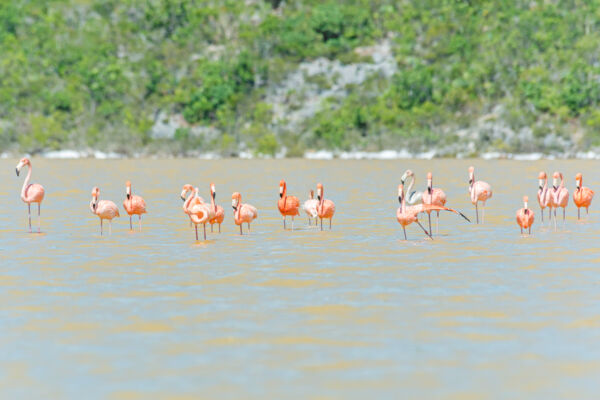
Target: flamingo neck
212, 201
191, 196
26, 182
410, 185
238, 210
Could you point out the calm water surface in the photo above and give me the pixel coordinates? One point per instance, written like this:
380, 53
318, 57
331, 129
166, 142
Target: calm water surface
479, 312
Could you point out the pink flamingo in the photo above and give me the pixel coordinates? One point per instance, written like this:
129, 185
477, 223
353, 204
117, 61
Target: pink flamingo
219, 212
436, 197
31, 193
199, 213
582, 197
560, 196
525, 216
406, 215
479, 191
326, 208
287, 205
543, 195
197, 200
310, 206
134, 204
105, 209
242, 212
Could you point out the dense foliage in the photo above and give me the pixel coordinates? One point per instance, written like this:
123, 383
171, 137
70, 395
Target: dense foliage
100, 74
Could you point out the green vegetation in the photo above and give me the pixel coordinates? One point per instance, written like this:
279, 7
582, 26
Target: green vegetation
100, 74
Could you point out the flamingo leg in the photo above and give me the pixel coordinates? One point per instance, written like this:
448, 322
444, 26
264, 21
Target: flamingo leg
555, 219
196, 232
542, 211
437, 223
284, 222
483, 213
248, 226
321, 223
530, 229
211, 228
424, 230
476, 212
241, 233
130, 223
404, 229
521, 231
308, 221
219, 228
110, 227
39, 217
429, 218
204, 225
587, 211
29, 209
101, 226
330, 223
292, 222
564, 216
578, 216
140, 221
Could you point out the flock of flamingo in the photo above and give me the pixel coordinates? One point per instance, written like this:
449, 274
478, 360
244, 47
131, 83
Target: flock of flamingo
412, 203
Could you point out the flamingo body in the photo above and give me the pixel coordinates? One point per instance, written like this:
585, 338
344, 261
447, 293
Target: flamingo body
525, 216
310, 206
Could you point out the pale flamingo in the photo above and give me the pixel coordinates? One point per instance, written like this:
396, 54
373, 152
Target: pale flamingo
134, 205
433, 196
219, 212
479, 191
326, 208
105, 209
197, 199
560, 196
242, 212
199, 213
525, 216
412, 196
310, 206
406, 215
582, 197
543, 195
31, 193
288, 205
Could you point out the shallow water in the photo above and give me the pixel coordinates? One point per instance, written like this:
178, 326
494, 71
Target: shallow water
354, 312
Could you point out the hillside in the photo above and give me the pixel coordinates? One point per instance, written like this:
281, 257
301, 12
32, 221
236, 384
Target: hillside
256, 77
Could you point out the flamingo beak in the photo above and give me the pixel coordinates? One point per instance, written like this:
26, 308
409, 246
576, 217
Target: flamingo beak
429, 189
182, 198
400, 199
128, 196
17, 171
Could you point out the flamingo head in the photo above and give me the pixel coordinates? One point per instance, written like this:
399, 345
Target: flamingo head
407, 174
400, 193
429, 182
579, 179
471, 175
128, 189
319, 191
213, 192
525, 200
236, 198
555, 177
95, 195
185, 190
281, 187
22, 162
541, 179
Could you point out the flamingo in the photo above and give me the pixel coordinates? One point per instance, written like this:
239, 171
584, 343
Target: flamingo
412, 197
219, 212
560, 195
479, 191
197, 200
433, 196
242, 212
288, 205
582, 197
525, 216
310, 206
31, 193
105, 209
543, 195
199, 213
326, 208
134, 204
406, 215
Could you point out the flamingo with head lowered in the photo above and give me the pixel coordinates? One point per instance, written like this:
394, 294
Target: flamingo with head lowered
31, 192
406, 215
199, 213
187, 188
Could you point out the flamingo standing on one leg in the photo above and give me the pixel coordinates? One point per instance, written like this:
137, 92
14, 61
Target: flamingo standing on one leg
199, 213
105, 209
543, 195
310, 206
560, 196
407, 215
479, 191
242, 212
288, 205
134, 205
31, 193
436, 197
582, 197
197, 200
412, 196
219, 212
326, 208
525, 216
